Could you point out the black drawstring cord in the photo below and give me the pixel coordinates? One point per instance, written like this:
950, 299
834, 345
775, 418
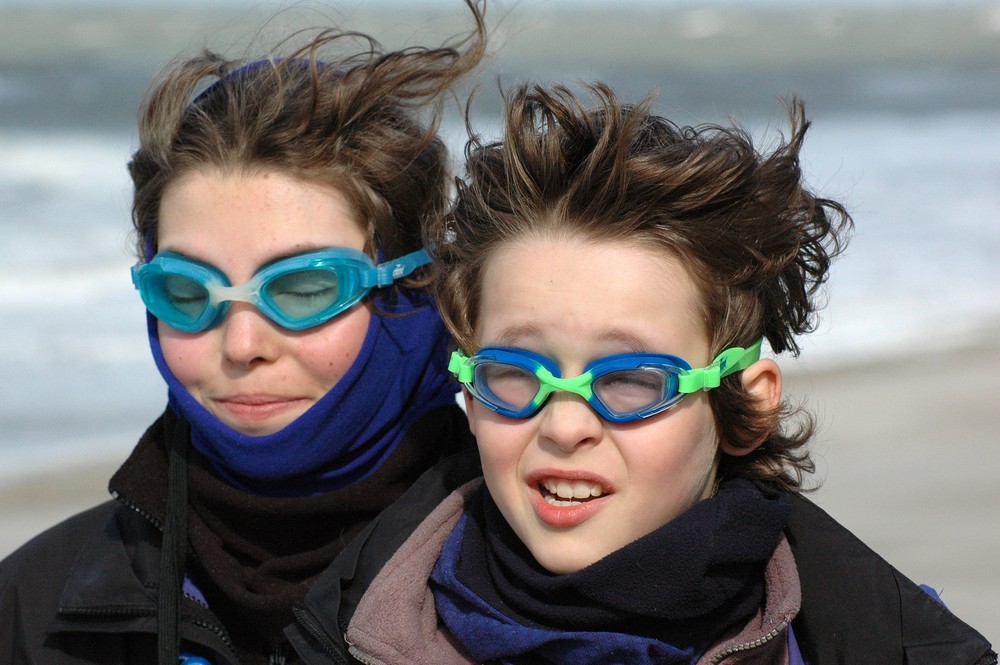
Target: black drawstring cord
172, 556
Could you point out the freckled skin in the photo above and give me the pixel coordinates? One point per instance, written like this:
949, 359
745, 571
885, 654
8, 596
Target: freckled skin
255, 376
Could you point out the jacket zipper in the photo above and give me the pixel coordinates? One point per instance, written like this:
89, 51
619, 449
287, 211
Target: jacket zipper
107, 612
128, 504
277, 655
215, 628
138, 612
360, 655
746, 646
305, 620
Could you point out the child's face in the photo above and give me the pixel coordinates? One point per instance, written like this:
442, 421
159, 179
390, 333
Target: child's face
576, 301
253, 375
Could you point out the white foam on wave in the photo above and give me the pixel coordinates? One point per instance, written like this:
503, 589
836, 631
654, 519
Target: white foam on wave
921, 268
74, 161
902, 327
41, 286
65, 202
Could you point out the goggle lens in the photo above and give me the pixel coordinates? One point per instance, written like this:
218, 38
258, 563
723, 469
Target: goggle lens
508, 386
178, 299
634, 390
303, 294
186, 297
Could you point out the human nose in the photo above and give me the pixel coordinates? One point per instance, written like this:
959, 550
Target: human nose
568, 421
248, 337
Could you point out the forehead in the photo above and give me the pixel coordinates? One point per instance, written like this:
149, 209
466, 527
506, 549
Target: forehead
550, 293
217, 216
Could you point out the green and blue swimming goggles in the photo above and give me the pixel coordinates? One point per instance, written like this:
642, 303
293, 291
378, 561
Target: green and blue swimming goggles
297, 292
621, 388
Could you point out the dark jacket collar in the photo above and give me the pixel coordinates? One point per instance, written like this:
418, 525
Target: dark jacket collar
115, 578
330, 604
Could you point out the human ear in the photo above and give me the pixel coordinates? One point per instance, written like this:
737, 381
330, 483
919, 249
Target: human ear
762, 384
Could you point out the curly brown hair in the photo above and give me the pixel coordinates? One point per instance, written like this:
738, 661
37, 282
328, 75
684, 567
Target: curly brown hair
339, 111
757, 243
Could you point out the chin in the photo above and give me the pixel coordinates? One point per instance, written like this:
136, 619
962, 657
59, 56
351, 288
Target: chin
559, 563
261, 429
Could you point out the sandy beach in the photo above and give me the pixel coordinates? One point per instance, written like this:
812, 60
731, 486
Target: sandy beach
907, 455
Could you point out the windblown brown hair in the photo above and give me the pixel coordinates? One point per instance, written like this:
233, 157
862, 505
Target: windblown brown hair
756, 242
339, 111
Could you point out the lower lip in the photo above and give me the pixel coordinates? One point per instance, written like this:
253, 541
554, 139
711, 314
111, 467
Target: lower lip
565, 516
258, 412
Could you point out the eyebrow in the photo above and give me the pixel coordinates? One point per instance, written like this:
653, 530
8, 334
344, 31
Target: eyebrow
512, 335
632, 342
304, 248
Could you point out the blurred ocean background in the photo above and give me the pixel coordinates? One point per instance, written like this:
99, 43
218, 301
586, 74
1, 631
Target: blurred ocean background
904, 97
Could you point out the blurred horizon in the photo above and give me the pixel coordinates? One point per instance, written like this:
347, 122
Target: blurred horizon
800, 32
73, 63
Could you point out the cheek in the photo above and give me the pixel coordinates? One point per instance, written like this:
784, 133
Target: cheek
502, 442
188, 356
677, 464
331, 351
700, 459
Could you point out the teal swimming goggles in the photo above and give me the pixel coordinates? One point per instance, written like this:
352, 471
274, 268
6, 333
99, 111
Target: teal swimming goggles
297, 292
621, 388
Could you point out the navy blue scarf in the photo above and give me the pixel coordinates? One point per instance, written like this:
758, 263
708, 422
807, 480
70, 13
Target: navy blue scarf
664, 598
399, 375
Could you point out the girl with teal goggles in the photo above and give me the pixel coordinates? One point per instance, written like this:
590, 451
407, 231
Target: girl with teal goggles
297, 292
622, 388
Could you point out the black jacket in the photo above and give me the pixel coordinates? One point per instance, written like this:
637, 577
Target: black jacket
856, 608
85, 592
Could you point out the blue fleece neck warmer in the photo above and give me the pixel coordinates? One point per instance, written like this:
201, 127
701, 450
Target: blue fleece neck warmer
399, 375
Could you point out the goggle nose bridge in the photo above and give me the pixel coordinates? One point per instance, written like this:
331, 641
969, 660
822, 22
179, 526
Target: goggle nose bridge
248, 292
581, 385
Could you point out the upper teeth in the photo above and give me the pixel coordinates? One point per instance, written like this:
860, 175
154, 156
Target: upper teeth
577, 489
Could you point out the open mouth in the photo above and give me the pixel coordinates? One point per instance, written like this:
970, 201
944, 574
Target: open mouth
560, 492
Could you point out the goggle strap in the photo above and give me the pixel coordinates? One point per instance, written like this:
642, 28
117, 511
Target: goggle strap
731, 360
388, 272
460, 366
